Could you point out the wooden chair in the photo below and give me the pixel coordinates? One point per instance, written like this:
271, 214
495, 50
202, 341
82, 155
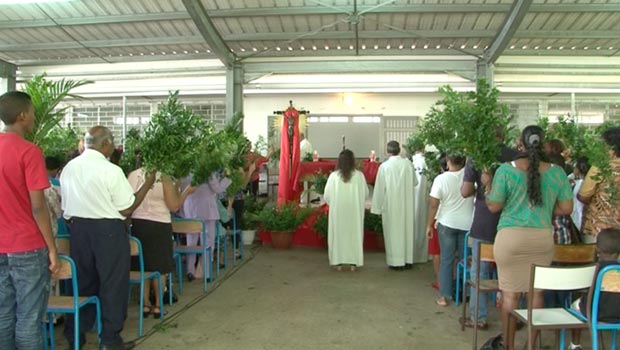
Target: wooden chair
194, 227
69, 304
608, 281
139, 277
574, 254
559, 278
485, 254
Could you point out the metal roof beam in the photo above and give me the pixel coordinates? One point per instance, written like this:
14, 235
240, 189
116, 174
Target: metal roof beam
511, 23
379, 34
95, 44
209, 33
327, 66
78, 21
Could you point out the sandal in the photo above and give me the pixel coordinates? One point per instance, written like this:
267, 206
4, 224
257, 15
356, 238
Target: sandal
146, 311
339, 268
158, 313
441, 301
352, 268
469, 323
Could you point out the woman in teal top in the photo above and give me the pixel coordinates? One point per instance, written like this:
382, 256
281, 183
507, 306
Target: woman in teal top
528, 191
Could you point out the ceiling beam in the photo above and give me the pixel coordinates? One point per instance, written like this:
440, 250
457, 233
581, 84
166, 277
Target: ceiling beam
379, 34
327, 65
98, 44
304, 11
209, 33
511, 23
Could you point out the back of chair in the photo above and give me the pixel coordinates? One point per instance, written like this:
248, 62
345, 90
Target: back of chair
610, 281
63, 245
562, 277
134, 246
66, 268
574, 253
486, 252
188, 226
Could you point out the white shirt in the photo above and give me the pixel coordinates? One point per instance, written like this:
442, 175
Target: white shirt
305, 147
94, 188
454, 210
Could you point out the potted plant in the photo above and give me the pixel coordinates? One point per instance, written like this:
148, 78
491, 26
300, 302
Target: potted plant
373, 223
252, 207
321, 225
281, 222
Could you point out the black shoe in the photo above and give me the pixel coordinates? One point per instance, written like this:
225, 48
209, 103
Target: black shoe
397, 268
408, 266
175, 298
190, 277
122, 346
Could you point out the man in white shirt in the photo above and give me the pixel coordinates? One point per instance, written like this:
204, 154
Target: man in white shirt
393, 200
96, 199
304, 146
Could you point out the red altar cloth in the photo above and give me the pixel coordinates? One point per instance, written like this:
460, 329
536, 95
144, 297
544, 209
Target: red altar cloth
305, 235
326, 166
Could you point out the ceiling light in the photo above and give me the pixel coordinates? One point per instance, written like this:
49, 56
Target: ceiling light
486, 47
512, 47
351, 47
278, 48
524, 47
536, 47
400, 47
338, 47
290, 48
208, 51
313, 47
174, 52
438, 47
254, 49
463, 46
376, 47
425, 46
302, 48
196, 51
585, 47
611, 47
574, 47
475, 47
232, 50
598, 47
561, 47
388, 47
163, 52
185, 51
363, 47
413, 47
242, 49
130, 55
326, 47
141, 53
548, 47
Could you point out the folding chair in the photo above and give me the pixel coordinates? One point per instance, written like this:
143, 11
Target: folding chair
462, 270
69, 304
557, 278
485, 254
139, 277
194, 227
608, 281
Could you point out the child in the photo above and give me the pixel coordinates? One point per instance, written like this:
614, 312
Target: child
608, 247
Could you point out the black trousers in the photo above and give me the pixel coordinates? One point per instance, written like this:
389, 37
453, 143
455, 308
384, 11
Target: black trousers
100, 248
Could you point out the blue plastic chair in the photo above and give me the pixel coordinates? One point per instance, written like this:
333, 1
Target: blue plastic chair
69, 304
607, 280
462, 271
139, 277
193, 227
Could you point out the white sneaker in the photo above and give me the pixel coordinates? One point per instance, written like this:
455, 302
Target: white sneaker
574, 347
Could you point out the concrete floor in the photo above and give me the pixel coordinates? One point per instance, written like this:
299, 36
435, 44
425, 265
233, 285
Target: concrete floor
292, 300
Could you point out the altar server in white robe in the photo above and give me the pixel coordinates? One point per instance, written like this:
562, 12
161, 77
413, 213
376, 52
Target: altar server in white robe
345, 193
393, 200
421, 190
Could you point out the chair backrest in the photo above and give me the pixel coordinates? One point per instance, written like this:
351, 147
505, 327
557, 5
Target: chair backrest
607, 280
610, 279
188, 226
486, 252
574, 253
67, 268
63, 245
135, 249
562, 277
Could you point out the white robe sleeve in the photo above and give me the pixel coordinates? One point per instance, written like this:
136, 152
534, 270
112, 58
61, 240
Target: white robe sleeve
329, 187
378, 197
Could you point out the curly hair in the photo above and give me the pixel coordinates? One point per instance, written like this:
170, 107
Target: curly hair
346, 164
532, 139
612, 138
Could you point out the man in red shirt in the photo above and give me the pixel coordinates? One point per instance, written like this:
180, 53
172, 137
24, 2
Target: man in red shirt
27, 250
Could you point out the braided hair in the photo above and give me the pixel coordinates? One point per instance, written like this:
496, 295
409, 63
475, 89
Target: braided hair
532, 139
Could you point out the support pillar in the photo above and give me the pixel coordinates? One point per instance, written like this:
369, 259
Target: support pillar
8, 72
234, 91
484, 70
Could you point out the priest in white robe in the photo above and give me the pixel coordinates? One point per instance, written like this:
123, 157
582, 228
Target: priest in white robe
393, 200
421, 191
345, 193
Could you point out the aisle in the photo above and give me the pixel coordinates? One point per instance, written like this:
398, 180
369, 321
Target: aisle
292, 300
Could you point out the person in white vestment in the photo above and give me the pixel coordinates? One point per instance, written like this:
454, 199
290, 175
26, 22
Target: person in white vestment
305, 146
345, 193
420, 242
393, 200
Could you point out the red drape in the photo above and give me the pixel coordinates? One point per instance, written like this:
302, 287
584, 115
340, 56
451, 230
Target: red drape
288, 162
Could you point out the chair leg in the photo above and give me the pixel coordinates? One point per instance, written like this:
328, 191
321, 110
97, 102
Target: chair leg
614, 339
76, 329
98, 308
170, 291
141, 307
179, 273
204, 274
458, 285
161, 297
217, 258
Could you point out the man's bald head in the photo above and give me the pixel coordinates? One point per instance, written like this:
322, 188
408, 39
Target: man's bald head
99, 138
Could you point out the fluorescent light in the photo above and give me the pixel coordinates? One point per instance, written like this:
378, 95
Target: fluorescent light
20, 2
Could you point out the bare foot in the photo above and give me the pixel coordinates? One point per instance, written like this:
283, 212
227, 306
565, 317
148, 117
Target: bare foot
352, 268
339, 268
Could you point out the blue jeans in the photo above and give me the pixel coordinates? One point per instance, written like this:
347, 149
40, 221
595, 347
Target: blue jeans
485, 268
24, 290
451, 246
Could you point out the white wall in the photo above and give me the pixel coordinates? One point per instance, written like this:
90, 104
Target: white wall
258, 107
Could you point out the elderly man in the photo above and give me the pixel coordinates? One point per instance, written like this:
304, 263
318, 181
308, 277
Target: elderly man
96, 199
393, 200
27, 250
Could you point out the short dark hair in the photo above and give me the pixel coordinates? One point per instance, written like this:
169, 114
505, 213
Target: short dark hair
612, 138
393, 148
456, 159
12, 104
53, 163
608, 241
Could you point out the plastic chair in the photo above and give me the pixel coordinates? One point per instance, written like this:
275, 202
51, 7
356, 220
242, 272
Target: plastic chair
194, 227
462, 271
69, 304
566, 278
485, 254
608, 281
139, 277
